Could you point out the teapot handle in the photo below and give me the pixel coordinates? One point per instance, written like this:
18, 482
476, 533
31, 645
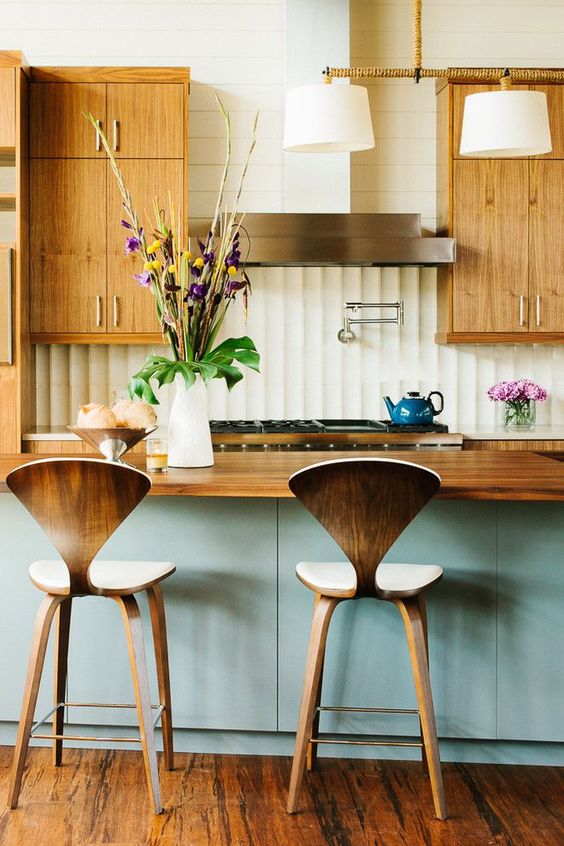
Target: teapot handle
436, 394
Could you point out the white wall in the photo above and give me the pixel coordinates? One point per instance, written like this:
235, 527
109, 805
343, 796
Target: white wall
239, 48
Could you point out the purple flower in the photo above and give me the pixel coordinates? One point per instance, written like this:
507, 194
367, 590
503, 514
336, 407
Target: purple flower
197, 292
126, 225
517, 390
132, 245
144, 278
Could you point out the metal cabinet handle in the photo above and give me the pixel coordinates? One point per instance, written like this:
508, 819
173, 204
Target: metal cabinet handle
521, 310
116, 321
538, 309
116, 134
98, 138
98, 310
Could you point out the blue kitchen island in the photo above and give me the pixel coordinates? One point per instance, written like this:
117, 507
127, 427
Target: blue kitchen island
239, 619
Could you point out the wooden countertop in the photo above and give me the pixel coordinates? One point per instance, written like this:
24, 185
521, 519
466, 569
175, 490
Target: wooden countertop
465, 475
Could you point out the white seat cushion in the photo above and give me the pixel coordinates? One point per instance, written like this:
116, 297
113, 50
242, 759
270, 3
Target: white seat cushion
109, 577
339, 578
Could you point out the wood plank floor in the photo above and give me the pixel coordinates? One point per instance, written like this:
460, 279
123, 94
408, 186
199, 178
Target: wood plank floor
99, 797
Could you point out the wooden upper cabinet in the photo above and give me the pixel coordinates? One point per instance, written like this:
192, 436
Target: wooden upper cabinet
546, 246
131, 308
146, 120
8, 107
68, 245
490, 223
58, 128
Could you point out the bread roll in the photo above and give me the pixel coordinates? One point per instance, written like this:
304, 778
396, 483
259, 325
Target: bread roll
96, 416
134, 414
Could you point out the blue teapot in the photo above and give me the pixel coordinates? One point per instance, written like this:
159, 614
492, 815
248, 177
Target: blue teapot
413, 409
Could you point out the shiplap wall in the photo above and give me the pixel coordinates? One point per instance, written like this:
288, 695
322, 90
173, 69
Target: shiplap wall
238, 48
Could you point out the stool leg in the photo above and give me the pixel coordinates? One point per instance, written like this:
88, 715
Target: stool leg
423, 612
314, 662
134, 633
43, 622
312, 748
411, 614
62, 630
158, 622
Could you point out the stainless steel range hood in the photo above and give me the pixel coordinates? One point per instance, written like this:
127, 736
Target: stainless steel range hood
343, 239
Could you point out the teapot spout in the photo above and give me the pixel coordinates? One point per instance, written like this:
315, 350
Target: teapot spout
389, 405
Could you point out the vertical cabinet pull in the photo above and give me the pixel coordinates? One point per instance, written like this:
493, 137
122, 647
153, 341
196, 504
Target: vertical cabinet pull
98, 139
116, 321
538, 309
116, 134
98, 310
521, 310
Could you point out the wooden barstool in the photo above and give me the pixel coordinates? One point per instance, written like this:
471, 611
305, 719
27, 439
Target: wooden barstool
365, 504
79, 503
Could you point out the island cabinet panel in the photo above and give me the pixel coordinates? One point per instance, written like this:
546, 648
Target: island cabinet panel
490, 284
58, 128
146, 120
131, 307
546, 246
367, 663
68, 245
531, 621
220, 607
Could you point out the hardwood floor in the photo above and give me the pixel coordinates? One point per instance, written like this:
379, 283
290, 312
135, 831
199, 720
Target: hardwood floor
100, 797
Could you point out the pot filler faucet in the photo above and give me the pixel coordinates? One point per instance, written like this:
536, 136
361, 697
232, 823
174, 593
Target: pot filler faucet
352, 315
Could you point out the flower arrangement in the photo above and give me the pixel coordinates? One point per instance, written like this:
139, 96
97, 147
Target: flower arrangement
519, 396
192, 291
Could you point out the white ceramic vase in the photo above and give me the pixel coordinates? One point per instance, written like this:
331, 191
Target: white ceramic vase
189, 437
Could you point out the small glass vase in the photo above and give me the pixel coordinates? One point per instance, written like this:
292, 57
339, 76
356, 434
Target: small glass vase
520, 415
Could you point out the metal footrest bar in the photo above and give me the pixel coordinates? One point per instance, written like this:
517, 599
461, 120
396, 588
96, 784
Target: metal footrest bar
158, 708
369, 710
339, 742
89, 739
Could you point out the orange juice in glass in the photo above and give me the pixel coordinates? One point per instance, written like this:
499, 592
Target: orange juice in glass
157, 455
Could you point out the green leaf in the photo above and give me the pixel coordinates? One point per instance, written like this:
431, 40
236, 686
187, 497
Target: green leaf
232, 375
207, 370
244, 343
250, 358
184, 367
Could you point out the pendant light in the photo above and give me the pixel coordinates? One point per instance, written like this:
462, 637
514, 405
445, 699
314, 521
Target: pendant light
506, 123
496, 124
328, 119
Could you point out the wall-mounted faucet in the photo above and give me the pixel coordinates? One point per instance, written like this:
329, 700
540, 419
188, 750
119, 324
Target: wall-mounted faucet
352, 316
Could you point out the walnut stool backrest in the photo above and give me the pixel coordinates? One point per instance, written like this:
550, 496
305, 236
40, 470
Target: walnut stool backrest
365, 504
79, 503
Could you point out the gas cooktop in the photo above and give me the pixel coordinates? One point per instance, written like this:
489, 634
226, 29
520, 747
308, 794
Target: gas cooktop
321, 426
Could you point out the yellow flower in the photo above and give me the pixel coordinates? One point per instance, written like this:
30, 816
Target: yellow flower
187, 255
156, 264
199, 262
152, 248
171, 268
232, 271
148, 265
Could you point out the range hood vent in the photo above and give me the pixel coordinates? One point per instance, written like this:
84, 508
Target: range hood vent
344, 239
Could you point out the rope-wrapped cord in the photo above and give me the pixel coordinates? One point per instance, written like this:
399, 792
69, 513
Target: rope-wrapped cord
417, 41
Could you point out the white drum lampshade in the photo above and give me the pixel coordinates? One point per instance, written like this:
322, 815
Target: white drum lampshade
328, 118
503, 124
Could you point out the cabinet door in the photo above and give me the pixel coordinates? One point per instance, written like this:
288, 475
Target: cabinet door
546, 245
58, 127
131, 308
490, 276
146, 120
8, 107
68, 245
